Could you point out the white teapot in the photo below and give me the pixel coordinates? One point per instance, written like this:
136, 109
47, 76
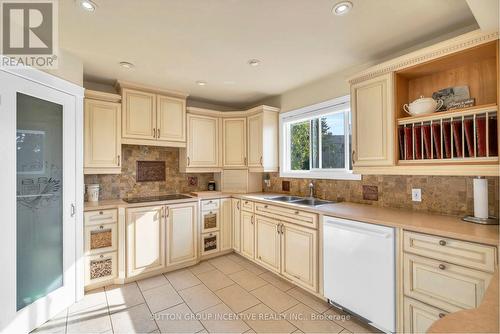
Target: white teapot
423, 105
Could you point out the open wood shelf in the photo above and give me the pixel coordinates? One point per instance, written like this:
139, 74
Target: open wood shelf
449, 114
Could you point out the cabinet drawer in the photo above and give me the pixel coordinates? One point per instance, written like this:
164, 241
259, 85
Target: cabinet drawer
100, 217
443, 285
210, 204
418, 317
464, 253
210, 221
100, 238
247, 205
209, 243
288, 215
100, 268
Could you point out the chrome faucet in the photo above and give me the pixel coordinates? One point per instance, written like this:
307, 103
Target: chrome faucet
311, 189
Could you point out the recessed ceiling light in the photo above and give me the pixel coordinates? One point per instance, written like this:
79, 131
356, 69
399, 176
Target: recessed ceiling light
342, 8
88, 5
126, 64
201, 83
254, 62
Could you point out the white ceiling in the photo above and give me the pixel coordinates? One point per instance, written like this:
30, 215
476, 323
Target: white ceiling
174, 43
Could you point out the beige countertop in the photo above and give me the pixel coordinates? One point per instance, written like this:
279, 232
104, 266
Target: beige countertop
447, 226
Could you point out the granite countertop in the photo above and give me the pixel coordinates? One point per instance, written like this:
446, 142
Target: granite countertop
446, 226
483, 319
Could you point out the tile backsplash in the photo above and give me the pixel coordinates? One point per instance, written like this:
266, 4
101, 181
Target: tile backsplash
124, 185
451, 195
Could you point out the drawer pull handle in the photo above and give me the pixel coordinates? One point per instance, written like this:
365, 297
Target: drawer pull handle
209, 202
296, 212
260, 258
246, 202
265, 206
442, 267
100, 212
442, 242
101, 256
101, 227
442, 315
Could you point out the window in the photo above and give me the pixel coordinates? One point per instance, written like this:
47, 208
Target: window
316, 141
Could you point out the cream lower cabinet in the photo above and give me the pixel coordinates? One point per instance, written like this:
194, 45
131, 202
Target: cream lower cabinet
182, 231
267, 243
247, 234
418, 317
236, 222
102, 135
145, 237
373, 122
225, 224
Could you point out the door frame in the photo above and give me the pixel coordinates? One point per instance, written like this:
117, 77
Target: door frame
14, 320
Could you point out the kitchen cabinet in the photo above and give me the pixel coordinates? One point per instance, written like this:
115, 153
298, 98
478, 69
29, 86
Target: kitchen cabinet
151, 118
263, 140
202, 152
236, 222
170, 119
145, 235
418, 317
102, 133
234, 142
182, 233
373, 117
247, 234
299, 255
267, 243
225, 224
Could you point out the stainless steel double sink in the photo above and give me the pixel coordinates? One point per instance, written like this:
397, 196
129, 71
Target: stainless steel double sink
307, 201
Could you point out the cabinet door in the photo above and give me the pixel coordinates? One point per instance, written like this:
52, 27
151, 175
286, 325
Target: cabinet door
102, 136
171, 119
247, 234
202, 144
139, 114
225, 224
418, 317
373, 120
235, 142
267, 243
299, 255
255, 141
181, 233
236, 213
145, 239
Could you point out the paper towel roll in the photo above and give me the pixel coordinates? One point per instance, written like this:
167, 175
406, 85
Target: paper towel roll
480, 198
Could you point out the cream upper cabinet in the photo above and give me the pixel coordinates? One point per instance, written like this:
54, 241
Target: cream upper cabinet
225, 224
263, 141
267, 242
182, 230
247, 234
170, 119
373, 122
139, 114
102, 133
299, 260
234, 142
145, 235
202, 144
236, 230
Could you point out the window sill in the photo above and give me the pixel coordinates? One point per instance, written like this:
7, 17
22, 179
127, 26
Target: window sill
322, 175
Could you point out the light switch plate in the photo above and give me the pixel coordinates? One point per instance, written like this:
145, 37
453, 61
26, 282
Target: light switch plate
416, 195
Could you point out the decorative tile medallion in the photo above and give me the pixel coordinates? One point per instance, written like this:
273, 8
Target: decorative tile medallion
149, 171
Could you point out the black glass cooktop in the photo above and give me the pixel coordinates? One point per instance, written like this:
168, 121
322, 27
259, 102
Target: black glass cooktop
155, 198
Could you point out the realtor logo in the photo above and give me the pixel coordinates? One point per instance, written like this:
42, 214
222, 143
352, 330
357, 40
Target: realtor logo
29, 33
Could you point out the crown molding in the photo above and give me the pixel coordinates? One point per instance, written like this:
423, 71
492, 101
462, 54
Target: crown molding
462, 42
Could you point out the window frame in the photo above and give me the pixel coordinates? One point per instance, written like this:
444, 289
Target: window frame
338, 105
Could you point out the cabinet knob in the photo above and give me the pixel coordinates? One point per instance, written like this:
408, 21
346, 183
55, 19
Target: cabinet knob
101, 256
442, 267
100, 212
296, 212
442, 242
442, 315
265, 206
101, 227
260, 258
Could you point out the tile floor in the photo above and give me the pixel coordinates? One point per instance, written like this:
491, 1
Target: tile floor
228, 294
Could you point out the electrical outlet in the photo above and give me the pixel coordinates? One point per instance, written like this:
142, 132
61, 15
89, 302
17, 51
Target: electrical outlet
416, 195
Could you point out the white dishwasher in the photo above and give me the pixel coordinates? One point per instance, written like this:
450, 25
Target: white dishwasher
359, 270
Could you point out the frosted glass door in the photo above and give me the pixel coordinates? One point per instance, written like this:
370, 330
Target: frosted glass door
39, 223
